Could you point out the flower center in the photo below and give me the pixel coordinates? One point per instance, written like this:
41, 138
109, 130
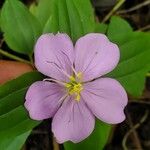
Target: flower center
75, 87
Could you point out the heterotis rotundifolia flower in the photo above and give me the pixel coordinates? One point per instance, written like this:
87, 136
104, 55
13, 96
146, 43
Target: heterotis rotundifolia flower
76, 90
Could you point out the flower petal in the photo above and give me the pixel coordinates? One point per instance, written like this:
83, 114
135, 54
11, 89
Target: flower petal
95, 56
107, 99
54, 53
73, 121
43, 99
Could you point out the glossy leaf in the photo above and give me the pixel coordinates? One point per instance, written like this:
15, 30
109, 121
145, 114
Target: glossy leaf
14, 119
77, 20
52, 24
101, 28
135, 52
118, 27
95, 141
21, 29
19, 83
14, 142
33, 8
43, 11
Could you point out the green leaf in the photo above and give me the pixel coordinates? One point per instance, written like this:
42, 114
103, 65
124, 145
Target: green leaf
14, 142
134, 51
33, 8
95, 141
52, 24
14, 119
81, 17
21, 29
77, 20
0, 21
118, 27
101, 28
43, 11
21, 82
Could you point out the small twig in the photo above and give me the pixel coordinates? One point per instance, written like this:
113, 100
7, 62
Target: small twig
144, 28
39, 132
140, 102
1, 42
115, 8
13, 56
134, 8
55, 144
132, 130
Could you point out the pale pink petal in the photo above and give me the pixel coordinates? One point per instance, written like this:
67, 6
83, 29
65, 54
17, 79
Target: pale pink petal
95, 56
106, 98
72, 122
43, 99
54, 53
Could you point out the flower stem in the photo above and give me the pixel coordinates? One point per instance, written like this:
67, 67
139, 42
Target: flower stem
117, 6
13, 57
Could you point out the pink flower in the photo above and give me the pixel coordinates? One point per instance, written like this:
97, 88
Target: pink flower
77, 90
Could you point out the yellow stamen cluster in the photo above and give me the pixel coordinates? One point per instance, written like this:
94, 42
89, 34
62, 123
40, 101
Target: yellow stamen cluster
74, 87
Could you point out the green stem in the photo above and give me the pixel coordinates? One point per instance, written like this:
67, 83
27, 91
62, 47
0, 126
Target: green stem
31, 59
13, 56
115, 8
